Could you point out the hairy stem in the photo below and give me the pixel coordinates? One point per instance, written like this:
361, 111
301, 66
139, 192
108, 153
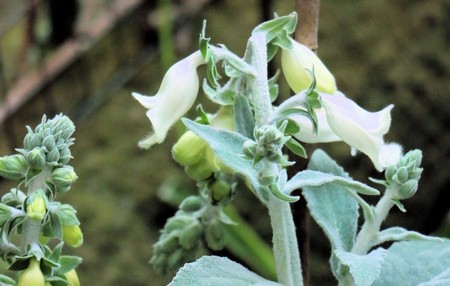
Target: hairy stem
285, 245
371, 228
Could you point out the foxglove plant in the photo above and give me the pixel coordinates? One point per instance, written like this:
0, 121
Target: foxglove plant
30, 215
251, 147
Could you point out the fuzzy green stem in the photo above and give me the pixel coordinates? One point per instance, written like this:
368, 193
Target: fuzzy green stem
31, 228
285, 245
260, 86
371, 228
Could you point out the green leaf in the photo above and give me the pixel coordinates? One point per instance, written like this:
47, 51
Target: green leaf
222, 96
203, 42
416, 262
273, 86
313, 178
278, 26
203, 117
296, 148
218, 271
365, 269
243, 117
331, 205
399, 233
228, 147
68, 263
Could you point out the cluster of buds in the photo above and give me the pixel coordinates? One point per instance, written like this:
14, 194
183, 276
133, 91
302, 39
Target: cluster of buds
41, 168
268, 144
403, 178
199, 221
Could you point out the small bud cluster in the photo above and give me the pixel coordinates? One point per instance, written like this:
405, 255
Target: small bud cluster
199, 221
41, 168
268, 144
49, 143
403, 178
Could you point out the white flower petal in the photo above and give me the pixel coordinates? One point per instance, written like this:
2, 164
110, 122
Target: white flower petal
307, 134
357, 127
176, 95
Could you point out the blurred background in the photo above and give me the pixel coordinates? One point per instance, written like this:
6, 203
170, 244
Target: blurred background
85, 57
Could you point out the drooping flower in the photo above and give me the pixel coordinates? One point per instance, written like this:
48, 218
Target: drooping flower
176, 95
299, 62
341, 119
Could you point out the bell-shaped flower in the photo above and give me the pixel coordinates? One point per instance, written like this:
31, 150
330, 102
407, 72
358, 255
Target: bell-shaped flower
341, 119
177, 94
299, 62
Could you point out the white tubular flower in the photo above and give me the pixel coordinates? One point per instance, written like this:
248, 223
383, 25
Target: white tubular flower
342, 119
298, 63
177, 94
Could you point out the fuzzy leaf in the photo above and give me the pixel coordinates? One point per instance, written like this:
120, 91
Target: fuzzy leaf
228, 147
416, 262
317, 178
278, 26
243, 117
218, 271
365, 269
331, 205
399, 233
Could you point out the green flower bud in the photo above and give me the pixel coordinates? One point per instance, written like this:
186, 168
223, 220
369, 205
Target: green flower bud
64, 126
192, 204
401, 175
189, 149
199, 171
63, 178
32, 276
169, 243
31, 140
177, 222
190, 236
215, 235
220, 190
53, 156
408, 189
36, 158
36, 208
249, 149
72, 235
175, 259
49, 142
72, 278
13, 167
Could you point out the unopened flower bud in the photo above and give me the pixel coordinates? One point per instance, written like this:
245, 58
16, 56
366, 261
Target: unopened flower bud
36, 208
401, 175
298, 63
177, 222
192, 204
215, 235
169, 244
49, 142
72, 235
72, 278
189, 149
199, 171
36, 158
32, 275
13, 167
63, 178
408, 189
220, 190
190, 236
